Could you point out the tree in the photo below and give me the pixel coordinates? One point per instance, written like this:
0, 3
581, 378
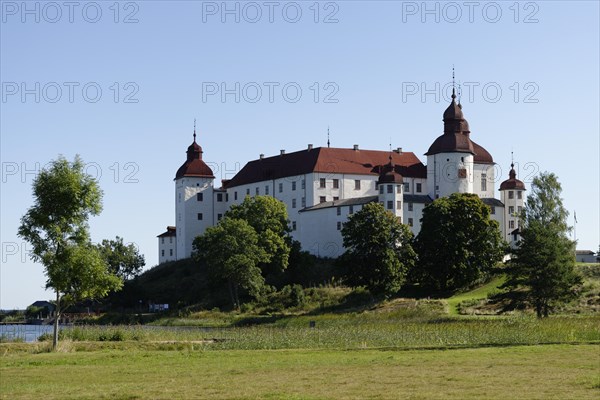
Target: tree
458, 243
543, 262
123, 260
268, 217
232, 252
378, 250
56, 227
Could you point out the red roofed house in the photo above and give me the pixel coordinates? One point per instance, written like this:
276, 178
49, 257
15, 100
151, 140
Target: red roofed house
322, 186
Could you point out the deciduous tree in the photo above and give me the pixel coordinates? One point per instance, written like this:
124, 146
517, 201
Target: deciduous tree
123, 260
378, 250
458, 243
232, 252
56, 227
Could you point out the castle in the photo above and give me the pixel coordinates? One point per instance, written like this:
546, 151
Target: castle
323, 186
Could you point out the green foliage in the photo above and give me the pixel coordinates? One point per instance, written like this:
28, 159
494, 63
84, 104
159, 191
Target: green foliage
56, 227
458, 244
232, 252
379, 251
268, 217
123, 260
544, 262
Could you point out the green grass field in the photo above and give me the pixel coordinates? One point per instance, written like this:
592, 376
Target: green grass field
521, 372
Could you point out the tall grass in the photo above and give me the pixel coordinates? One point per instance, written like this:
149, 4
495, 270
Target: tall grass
357, 331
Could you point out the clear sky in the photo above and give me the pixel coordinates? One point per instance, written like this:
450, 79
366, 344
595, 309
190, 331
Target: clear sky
121, 83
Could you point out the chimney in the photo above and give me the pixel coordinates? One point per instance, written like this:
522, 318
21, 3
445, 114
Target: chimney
356, 147
282, 152
399, 150
262, 156
310, 146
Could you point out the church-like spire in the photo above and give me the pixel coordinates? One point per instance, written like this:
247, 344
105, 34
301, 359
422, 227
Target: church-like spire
328, 143
194, 130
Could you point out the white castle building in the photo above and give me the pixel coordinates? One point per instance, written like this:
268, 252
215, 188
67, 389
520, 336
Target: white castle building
322, 186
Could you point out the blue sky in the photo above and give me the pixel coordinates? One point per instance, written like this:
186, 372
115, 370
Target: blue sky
121, 86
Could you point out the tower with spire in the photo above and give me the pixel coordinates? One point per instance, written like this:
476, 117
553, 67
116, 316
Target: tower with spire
512, 194
390, 187
194, 205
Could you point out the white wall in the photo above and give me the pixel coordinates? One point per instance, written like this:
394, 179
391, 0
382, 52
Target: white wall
167, 249
442, 172
490, 181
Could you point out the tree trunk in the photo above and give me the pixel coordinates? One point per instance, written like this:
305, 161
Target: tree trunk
231, 293
56, 319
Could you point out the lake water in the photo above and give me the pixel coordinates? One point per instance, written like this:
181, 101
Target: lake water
29, 333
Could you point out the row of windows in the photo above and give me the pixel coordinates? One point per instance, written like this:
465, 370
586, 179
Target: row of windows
511, 194
511, 224
350, 210
162, 253
162, 240
200, 197
390, 204
335, 183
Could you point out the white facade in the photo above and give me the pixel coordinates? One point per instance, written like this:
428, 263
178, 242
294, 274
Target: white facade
321, 187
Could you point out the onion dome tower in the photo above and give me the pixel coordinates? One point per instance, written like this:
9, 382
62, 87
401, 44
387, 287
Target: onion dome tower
512, 194
194, 206
450, 157
390, 186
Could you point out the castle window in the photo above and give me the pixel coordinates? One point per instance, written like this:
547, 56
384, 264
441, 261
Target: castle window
303, 183
519, 195
351, 210
399, 204
390, 188
199, 196
406, 187
381, 189
339, 226
280, 187
410, 206
162, 240
390, 205
511, 224
235, 195
294, 185
493, 210
399, 189
322, 183
418, 188
162, 253
511, 210
257, 191
336, 183
322, 199
248, 192
339, 211
336, 198
519, 209
199, 216
293, 225
171, 252
483, 182
304, 202
293, 203
219, 217
357, 184
410, 222
266, 189
219, 196
511, 194
171, 239
179, 197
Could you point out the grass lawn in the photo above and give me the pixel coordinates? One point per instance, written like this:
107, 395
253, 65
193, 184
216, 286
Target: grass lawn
516, 372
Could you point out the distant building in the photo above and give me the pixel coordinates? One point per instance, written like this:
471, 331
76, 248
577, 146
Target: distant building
322, 186
48, 308
587, 256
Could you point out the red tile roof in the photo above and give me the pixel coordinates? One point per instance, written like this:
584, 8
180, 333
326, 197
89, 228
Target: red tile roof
194, 166
327, 160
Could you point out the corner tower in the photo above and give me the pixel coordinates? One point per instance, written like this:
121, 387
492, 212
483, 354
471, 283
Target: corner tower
512, 194
193, 199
